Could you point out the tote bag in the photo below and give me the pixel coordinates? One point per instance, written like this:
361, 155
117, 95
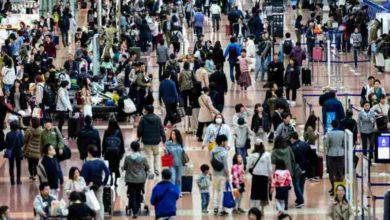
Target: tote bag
92, 201
228, 199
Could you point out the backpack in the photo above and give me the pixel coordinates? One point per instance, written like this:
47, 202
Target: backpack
175, 37
41, 172
113, 143
287, 46
233, 55
216, 164
128, 106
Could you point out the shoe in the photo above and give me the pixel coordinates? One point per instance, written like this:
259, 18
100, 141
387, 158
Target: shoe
298, 206
205, 211
216, 211
223, 213
135, 216
241, 210
235, 211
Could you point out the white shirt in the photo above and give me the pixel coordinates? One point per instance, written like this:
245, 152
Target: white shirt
263, 167
215, 9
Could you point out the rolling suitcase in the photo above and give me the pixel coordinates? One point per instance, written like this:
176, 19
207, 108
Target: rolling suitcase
107, 199
306, 76
320, 167
187, 179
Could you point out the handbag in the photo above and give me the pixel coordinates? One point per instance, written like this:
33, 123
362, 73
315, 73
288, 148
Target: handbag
297, 171
228, 199
92, 201
66, 153
167, 160
185, 158
181, 111
176, 118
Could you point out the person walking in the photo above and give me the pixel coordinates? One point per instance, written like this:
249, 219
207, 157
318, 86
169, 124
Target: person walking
32, 146
356, 41
218, 78
292, 81
52, 169
150, 132
169, 95
63, 105
261, 123
366, 128
162, 54
198, 22
215, 11
51, 135
232, 51
186, 85
88, 135
137, 168
175, 147
205, 113
14, 153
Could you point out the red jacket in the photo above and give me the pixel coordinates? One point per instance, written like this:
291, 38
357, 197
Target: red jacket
50, 49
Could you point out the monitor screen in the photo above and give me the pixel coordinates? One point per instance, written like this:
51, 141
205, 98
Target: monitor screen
382, 148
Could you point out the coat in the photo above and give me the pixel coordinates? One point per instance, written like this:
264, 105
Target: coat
291, 78
164, 197
150, 130
334, 143
63, 102
115, 133
53, 171
136, 167
32, 143
206, 109
366, 122
14, 142
162, 54
88, 135
341, 211
333, 105
298, 54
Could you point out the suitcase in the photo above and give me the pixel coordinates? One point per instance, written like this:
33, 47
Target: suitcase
306, 76
187, 179
320, 167
317, 53
228, 30
107, 199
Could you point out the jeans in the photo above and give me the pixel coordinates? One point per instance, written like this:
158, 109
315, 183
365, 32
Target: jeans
236, 29
205, 196
262, 68
61, 119
12, 161
299, 186
134, 193
356, 51
232, 66
368, 139
294, 94
176, 47
215, 18
7, 88
161, 70
170, 109
198, 31
65, 39
32, 166
177, 172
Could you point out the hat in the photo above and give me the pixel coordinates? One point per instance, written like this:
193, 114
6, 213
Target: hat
258, 141
326, 89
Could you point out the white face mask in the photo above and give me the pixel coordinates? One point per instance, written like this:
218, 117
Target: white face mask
218, 120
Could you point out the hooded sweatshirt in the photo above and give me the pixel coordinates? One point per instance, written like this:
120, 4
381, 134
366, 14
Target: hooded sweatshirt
136, 167
151, 130
242, 132
164, 197
284, 154
298, 54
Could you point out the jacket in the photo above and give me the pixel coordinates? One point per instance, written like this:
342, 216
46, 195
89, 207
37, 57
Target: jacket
23, 101
301, 152
80, 211
53, 171
298, 54
309, 136
32, 143
202, 75
203, 183
284, 154
14, 141
136, 167
53, 137
93, 170
168, 92
275, 73
263, 167
356, 39
198, 19
340, 211
281, 178
366, 122
334, 143
220, 154
8, 75
242, 133
206, 109
151, 130
215, 129
220, 81
284, 130
185, 81
164, 197
260, 122
63, 102
333, 105
41, 205
162, 54
292, 77
177, 152
78, 185
87, 136
227, 50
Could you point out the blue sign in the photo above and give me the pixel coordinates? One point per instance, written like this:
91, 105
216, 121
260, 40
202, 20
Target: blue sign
330, 116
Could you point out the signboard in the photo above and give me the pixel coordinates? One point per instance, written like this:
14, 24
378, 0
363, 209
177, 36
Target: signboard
382, 148
330, 116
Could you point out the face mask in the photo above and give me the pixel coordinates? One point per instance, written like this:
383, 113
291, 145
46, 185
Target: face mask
218, 120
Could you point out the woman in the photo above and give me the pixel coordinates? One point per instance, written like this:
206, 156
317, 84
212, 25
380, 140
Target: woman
136, 167
209, 64
52, 169
17, 97
113, 148
340, 209
8, 74
205, 113
109, 81
218, 127
4, 213
14, 143
292, 81
310, 134
298, 28
78, 209
32, 146
378, 89
175, 147
366, 127
63, 105
217, 54
259, 165
261, 123
75, 182
185, 85
86, 99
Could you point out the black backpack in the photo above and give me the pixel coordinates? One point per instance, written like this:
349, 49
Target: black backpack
287, 46
216, 164
113, 143
175, 37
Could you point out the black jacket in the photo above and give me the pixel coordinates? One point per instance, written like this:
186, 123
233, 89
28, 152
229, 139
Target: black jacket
301, 151
258, 122
220, 81
80, 211
88, 135
323, 98
53, 171
218, 57
150, 130
275, 73
22, 99
276, 120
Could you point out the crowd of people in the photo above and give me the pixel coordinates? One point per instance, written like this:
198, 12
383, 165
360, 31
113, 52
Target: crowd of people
192, 89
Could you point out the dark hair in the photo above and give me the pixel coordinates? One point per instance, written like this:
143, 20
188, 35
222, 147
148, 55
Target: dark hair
256, 212
383, 96
336, 199
371, 77
166, 174
377, 80
218, 66
311, 122
72, 171
135, 146
205, 89
288, 35
149, 109
45, 149
215, 117
64, 84
259, 148
335, 124
285, 115
235, 158
280, 165
43, 185
243, 50
349, 112
35, 122
88, 120
220, 138
232, 39
186, 65
93, 150
161, 41
112, 125
238, 107
14, 125
3, 210
204, 168
179, 138
294, 135
332, 94
280, 142
75, 196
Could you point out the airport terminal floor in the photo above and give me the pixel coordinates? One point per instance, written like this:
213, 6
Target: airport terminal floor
345, 79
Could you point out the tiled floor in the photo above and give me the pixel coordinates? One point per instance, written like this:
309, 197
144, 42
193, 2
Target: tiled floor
20, 198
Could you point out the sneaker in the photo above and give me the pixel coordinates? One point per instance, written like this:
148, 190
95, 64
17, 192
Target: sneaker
241, 210
216, 211
223, 213
298, 206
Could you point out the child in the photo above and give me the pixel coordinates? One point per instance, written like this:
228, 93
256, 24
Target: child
242, 136
238, 173
281, 181
203, 182
245, 79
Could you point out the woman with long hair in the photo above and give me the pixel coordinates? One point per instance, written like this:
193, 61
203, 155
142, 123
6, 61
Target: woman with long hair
175, 147
217, 54
113, 148
17, 97
32, 146
261, 123
292, 80
309, 132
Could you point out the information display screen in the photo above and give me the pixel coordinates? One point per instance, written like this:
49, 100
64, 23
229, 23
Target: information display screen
382, 148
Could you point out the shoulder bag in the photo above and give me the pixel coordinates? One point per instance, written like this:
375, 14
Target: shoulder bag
184, 157
250, 170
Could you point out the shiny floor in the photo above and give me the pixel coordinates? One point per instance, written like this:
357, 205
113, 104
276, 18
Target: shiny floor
20, 198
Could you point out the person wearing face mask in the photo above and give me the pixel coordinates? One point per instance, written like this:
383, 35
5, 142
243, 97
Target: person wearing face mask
218, 127
366, 127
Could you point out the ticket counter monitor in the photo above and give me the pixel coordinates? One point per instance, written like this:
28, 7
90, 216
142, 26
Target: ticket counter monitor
382, 148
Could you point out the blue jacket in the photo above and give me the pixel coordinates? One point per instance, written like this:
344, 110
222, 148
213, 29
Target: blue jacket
14, 141
92, 172
164, 197
333, 105
177, 152
168, 92
232, 45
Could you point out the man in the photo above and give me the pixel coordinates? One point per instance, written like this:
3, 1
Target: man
215, 11
71, 66
42, 202
233, 50
93, 171
263, 53
164, 197
198, 22
276, 72
219, 163
285, 129
335, 150
234, 16
332, 110
325, 96
151, 132
255, 25
168, 94
356, 39
218, 78
51, 135
286, 47
64, 24
298, 54
88, 135
162, 58
301, 152
367, 89
382, 113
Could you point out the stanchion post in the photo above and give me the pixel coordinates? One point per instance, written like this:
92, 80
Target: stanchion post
328, 54
304, 107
